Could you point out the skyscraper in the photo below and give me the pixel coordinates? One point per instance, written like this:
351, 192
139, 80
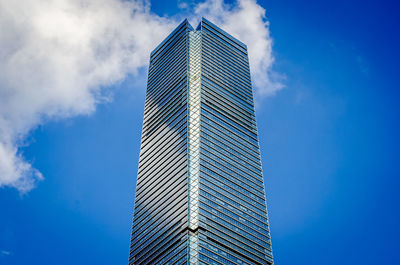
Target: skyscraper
200, 195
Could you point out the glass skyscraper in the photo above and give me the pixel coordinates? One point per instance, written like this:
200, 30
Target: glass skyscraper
200, 195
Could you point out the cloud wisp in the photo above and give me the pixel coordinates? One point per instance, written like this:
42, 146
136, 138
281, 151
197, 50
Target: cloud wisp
5, 253
59, 58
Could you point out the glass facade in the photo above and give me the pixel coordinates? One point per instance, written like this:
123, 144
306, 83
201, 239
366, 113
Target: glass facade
200, 195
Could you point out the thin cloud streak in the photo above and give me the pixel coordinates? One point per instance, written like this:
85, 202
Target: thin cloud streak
5, 253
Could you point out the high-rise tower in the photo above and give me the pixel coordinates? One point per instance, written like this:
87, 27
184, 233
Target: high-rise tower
200, 195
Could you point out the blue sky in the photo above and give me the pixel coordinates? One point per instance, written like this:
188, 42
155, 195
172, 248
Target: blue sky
329, 142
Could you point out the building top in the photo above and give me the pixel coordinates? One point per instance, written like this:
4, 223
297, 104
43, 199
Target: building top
186, 25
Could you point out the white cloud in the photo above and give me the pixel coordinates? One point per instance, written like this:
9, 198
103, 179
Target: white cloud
57, 58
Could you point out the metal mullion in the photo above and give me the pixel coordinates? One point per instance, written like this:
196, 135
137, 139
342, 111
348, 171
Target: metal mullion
150, 224
214, 259
226, 106
231, 145
147, 188
154, 206
152, 251
159, 166
247, 255
180, 246
182, 249
253, 247
172, 231
209, 112
235, 115
180, 171
228, 88
166, 84
228, 92
157, 51
156, 111
226, 35
209, 155
163, 111
231, 162
213, 44
228, 177
211, 71
167, 63
174, 116
156, 167
225, 157
254, 174
171, 113
265, 231
162, 148
241, 210
181, 261
153, 236
161, 100
246, 191
247, 260
236, 235
217, 262
155, 223
170, 60
249, 191
165, 116
173, 123
246, 195
226, 75
219, 92
259, 211
240, 174
245, 232
234, 66
180, 42
149, 168
232, 196
212, 127
228, 119
179, 159
222, 192
249, 153
241, 52
213, 92
176, 123
144, 240
210, 42
178, 75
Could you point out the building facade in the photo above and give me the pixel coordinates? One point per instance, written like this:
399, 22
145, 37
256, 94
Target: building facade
200, 195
